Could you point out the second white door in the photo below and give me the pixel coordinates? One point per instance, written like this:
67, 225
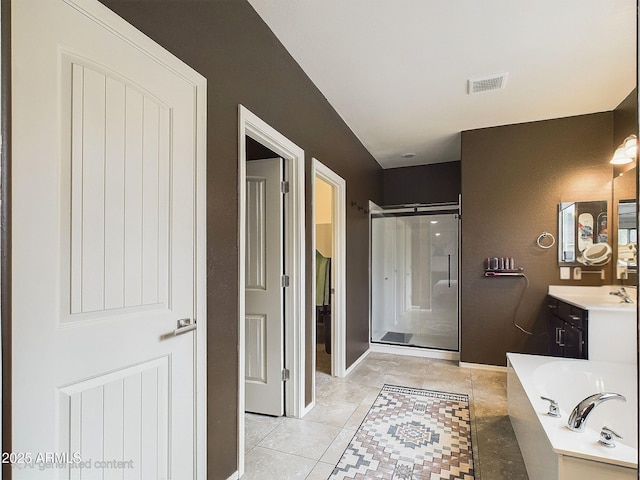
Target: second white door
264, 325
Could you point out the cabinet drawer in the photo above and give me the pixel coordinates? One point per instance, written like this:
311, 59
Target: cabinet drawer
552, 304
570, 314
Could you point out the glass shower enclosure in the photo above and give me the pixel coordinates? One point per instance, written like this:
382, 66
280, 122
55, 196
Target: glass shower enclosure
414, 277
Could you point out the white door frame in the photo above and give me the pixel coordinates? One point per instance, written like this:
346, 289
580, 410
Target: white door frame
338, 267
294, 307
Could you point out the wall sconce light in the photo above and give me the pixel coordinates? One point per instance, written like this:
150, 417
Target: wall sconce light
631, 146
626, 152
620, 157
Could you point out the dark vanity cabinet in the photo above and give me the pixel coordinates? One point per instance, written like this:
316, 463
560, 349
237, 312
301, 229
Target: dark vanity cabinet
567, 325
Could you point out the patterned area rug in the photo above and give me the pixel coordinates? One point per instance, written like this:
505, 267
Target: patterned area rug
411, 434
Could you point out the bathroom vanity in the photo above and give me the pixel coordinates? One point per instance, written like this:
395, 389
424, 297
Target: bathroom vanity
568, 329
590, 323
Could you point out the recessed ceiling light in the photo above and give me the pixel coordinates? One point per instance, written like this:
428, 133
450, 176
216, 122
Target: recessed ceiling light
408, 155
434, 221
437, 234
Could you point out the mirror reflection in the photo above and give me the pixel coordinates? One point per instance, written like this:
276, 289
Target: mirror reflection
627, 255
583, 233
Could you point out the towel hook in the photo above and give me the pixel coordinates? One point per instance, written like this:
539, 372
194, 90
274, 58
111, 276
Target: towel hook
544, 235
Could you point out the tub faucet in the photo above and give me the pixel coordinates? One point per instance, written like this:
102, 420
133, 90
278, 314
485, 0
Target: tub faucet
608, 437
580, 413
622, 293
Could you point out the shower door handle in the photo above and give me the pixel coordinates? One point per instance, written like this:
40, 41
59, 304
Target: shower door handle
449, 270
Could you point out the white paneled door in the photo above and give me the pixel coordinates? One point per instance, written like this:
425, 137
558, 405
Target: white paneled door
107, 249
264, 325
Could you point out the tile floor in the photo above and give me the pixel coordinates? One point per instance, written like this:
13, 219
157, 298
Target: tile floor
309, 448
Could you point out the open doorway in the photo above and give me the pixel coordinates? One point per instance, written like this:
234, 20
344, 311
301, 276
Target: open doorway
324, 291
329, 271
291, 378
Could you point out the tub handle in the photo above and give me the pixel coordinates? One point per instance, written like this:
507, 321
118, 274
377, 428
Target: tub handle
554, 411
607, 437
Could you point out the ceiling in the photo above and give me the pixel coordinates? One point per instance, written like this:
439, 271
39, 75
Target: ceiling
397, 71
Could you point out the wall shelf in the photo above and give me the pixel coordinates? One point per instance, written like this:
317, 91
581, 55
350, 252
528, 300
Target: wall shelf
518, 272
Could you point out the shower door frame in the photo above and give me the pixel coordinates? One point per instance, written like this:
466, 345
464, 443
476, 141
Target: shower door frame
415, 210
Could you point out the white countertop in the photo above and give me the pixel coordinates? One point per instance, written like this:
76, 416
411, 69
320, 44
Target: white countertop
594, 298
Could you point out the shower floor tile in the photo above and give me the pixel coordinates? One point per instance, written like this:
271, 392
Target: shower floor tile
396, 337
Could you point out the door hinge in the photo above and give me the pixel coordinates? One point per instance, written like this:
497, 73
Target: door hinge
284, 281
285, 374
284, 186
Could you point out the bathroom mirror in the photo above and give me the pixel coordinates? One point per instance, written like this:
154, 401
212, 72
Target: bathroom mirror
595, 254
627, 245
583, 229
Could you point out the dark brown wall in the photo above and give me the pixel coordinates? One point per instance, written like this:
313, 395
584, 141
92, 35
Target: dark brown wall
435, 183
625, 118
513, 178
244, 63
625, 123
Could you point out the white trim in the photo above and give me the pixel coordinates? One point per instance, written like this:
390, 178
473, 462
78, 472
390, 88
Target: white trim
414, 351
309, 407
234, 476
373, 208
2, 263
201, 277
357, 362
242, 245
251, 125
460, 274
338, 264
482, 366
128, 33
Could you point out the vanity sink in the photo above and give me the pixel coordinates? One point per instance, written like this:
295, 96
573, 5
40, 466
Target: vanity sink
608, 323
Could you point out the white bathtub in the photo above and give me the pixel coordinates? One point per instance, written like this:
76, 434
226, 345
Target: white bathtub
550, 450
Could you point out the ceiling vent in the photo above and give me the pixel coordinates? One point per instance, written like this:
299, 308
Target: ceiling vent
488, 83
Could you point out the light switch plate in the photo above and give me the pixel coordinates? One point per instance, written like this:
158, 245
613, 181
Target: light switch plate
565, 273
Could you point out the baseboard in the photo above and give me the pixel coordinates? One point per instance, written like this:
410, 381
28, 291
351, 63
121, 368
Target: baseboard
482, 366
414, 352
357, 362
